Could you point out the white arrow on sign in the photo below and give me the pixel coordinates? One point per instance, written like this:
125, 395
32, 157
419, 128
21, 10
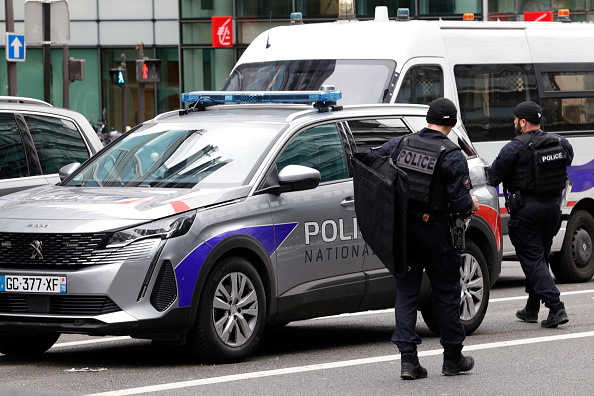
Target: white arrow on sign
16, 47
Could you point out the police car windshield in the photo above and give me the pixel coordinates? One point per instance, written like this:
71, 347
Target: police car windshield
212, 155
360, 81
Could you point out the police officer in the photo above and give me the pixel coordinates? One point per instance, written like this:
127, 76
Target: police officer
439, 185
532, 168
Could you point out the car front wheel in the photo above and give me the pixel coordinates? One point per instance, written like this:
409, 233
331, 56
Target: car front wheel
474, 297
231, 313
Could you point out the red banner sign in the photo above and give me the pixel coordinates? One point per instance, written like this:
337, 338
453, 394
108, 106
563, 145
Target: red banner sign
222, 31
538, 16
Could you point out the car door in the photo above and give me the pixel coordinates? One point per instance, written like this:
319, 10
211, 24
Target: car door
369, 133
319, 264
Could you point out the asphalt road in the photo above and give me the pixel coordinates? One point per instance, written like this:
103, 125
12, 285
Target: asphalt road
344, 355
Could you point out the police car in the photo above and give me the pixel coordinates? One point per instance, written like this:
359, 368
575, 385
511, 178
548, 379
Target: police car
203, 225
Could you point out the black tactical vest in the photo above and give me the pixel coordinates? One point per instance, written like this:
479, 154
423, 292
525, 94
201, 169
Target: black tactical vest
421, 160
546, 170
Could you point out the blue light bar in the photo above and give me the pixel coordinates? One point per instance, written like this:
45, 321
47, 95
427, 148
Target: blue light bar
262, 96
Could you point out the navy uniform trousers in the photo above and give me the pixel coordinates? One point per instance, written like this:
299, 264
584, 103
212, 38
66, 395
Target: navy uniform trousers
531, 231
429, 246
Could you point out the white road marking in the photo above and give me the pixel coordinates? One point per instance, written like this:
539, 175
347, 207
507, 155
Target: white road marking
326, 366
350, 315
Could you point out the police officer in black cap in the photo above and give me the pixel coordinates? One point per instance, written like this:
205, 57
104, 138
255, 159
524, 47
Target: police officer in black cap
439, 185
533, 170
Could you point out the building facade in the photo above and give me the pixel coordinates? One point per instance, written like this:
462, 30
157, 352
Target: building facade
180, 33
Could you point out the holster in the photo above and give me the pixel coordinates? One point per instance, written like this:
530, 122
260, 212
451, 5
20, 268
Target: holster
458, 231
514, 201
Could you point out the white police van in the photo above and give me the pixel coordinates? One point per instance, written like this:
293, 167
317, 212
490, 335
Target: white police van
485, 68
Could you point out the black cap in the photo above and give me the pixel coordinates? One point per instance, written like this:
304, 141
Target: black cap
442, 111
528, 111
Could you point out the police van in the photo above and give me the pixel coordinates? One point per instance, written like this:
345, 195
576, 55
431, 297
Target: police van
485, 68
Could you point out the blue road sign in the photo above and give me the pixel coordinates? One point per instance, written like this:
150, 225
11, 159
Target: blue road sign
15, 47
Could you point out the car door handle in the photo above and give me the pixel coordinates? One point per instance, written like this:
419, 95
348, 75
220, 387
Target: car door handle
348, 202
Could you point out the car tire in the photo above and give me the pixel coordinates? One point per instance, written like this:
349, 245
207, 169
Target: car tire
474, 279
29, 343
575, 262
231, 314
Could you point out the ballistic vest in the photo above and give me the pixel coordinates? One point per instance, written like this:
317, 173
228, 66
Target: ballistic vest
545, 171
421, 159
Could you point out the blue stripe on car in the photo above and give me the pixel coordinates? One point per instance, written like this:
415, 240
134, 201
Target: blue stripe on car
270, 236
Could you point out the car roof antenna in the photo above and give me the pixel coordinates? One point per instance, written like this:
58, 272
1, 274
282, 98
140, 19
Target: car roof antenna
269, 26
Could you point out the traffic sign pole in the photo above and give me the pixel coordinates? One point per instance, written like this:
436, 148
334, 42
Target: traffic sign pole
10, 66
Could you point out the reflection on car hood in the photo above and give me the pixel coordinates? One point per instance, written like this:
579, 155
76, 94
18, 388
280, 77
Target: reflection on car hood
80, 203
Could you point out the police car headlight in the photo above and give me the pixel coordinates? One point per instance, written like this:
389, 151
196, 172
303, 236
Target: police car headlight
169, 227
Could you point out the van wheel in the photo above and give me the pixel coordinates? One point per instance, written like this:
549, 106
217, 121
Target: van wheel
231, 314
474, 297
29, 343
575, 262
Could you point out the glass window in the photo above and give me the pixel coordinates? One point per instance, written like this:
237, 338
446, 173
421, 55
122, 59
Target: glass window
206, 69
319, 148
501, 6
58, 142
488, 95
572, 5
168, 93
568, 81
568, 114
366, 8
534, 5
206, 8
360, 81
196, 33
421, 85
263, 9
248, 30
375, 132
13, 162
211, 155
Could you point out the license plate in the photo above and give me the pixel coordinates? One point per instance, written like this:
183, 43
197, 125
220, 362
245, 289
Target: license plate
32, 284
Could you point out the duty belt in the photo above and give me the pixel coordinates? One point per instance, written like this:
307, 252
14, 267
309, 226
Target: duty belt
429, 217
555, 199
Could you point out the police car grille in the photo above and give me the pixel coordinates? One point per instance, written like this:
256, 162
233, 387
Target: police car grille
60, 305
67, 250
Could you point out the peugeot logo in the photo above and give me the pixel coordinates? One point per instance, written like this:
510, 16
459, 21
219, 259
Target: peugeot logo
36, 245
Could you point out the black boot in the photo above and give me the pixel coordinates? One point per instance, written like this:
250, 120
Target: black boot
410, 368
454, 364
557, 315
529, 313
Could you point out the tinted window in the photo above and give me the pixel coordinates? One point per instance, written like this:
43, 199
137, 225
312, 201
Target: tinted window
360, 81
567, 96
421, 85
13, 162
58, 142
375, 132
319, 148
488, 95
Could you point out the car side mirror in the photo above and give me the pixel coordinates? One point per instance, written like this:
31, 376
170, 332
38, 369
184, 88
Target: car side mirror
67, 170
299, 177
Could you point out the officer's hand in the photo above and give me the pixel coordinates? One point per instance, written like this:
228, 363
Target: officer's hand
475, 204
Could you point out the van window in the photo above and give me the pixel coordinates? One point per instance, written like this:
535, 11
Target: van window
370, 85
57, 141
488, 95
567, 96
372, 133
319, 148
421, 85
13, 162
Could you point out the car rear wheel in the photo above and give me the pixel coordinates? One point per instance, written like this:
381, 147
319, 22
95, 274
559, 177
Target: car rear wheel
26, 343
474, 298
231, 314
575, 262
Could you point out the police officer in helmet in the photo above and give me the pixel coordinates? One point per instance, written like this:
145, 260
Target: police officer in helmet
533, 170
439, 186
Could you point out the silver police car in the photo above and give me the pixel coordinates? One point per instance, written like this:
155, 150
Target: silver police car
203, 225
